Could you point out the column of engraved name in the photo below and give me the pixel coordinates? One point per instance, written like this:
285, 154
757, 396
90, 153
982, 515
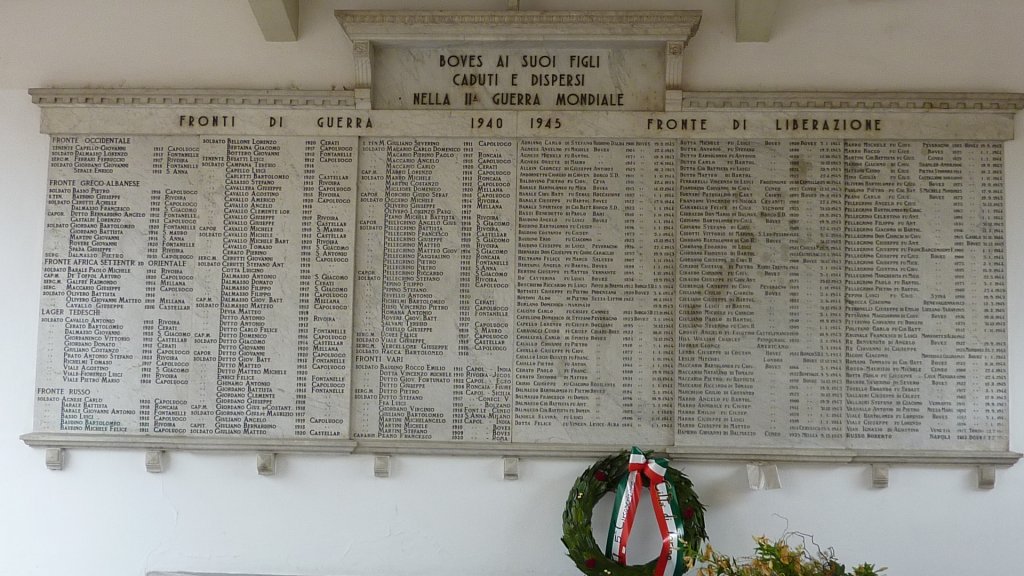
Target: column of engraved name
421, 278
486, 284
900, 264
553, 285
168, 323
93, 274
760, 292
592, 304
108, 218
721, 358
54, 313
441, 210
233, 371
399, 272
253, 390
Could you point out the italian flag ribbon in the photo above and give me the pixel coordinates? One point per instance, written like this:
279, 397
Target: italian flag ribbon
666, 511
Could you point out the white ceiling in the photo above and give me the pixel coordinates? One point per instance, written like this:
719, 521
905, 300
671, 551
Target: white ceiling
279, 19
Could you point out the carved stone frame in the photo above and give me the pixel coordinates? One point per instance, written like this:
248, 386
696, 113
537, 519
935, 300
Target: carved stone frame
671, 29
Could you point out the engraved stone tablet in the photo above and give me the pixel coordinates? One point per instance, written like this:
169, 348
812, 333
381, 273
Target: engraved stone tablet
198, 286
519, 79
436, 263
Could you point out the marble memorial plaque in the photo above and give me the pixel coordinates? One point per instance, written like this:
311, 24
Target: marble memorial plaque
759, 292
526, 246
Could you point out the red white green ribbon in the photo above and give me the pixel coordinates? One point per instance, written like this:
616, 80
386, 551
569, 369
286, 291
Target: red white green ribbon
666, 511
627, 496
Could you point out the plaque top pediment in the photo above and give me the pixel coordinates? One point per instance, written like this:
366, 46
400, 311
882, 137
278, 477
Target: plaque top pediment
628, 60
520, 26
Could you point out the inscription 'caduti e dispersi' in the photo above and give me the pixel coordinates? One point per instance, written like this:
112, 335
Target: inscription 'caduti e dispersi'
532, 72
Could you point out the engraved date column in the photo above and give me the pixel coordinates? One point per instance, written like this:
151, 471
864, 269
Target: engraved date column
372, 395
985, 347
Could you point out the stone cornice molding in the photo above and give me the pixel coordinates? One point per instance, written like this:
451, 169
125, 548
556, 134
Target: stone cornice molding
91, 97
381, 26
441, 448
908, 101
925, 101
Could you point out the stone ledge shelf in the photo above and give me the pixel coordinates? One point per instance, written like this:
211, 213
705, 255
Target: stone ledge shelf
184, 444
56, 446
440, 448
177, 573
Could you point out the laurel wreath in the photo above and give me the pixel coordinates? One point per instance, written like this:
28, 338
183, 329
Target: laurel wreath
590, 487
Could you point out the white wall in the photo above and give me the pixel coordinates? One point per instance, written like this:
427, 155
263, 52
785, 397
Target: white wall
104, 515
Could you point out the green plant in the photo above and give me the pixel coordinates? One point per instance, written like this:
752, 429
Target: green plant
777, 558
